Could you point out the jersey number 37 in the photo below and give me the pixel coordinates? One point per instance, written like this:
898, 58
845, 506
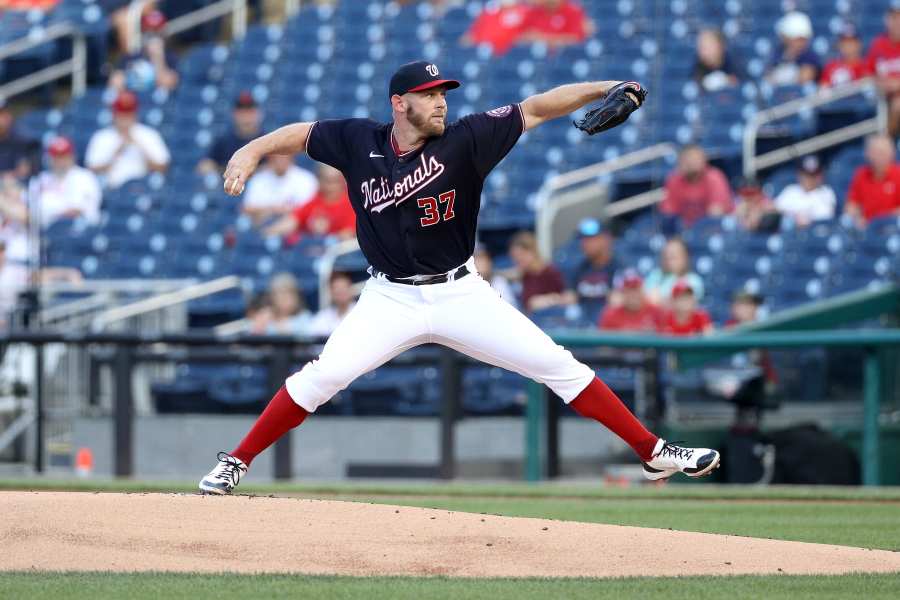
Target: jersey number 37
433, 208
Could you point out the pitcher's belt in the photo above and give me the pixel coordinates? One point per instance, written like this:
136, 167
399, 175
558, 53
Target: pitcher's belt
425, 279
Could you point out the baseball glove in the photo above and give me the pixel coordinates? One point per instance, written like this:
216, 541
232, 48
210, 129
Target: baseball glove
618, 104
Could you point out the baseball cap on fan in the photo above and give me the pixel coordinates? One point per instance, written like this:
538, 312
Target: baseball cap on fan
60, 146
416, 77
125, 102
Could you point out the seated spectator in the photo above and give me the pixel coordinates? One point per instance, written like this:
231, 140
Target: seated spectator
795, 63
484, 264
685, 317
556, 23
277, 189
126, 150
634, 313
810, 199
246, 121
850, 65
592, 280
674, 267
875, 188
13, 281
153, 66
498, 26
258, 315
343, 299
695, 189
713, 69
542, 283
67, 191
329, 212
289, 313
744, 308
883, 60
754, 209
18, 155
119, 12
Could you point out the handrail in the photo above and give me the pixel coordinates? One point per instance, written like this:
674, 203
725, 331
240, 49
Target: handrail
326, 266
166, 300
547, 211
76, 66
753, 163
237, 8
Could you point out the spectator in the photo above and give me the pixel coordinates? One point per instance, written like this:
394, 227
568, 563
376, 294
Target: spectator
13, 280
343, 299
744, 308
18, 155
754, 209
713, 69
850, 65
289, 313
593, 278
329, 212
152, 67
556, 23
810, 199
484, 264
67, 191
542, 283
13, 219
246, 120
127, 150
118, 11
499, 26
258, 315
796, 63
685, 317
875, 188
695, 189
278, 189
883, 60
634, 313
674, 267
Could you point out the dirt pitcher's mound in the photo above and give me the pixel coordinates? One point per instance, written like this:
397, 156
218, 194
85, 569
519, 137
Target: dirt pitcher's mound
168, 532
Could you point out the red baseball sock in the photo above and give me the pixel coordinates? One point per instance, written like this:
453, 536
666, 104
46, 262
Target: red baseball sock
281, 415
600, 403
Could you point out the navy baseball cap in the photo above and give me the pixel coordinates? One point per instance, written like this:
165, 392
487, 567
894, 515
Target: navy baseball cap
416, 77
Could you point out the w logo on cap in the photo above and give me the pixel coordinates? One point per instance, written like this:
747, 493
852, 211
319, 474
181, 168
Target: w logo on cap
432, 70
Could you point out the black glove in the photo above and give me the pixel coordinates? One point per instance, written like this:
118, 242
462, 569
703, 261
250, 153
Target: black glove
618, 104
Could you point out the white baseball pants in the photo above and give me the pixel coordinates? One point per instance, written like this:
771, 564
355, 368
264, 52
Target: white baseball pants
466, 315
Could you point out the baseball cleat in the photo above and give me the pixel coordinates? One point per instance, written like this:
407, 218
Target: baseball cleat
224, 476
668, 459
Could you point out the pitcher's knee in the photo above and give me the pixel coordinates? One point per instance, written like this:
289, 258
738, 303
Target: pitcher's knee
315, 384
569, 381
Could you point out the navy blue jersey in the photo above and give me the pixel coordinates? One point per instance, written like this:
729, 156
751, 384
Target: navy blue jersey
416, 212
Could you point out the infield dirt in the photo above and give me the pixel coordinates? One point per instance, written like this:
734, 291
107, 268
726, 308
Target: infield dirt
66, 531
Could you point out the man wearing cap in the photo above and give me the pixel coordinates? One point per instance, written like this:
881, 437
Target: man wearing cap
634, 313
245, 120
592, 280
127, 149
153, 66
850, 65
278, 189
795, 63
415, 185
884, 61
875, 188
810, 199
19, 156
684, 316
65, 190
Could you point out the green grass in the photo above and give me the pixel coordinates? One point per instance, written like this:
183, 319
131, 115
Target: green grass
848, 516
163, 585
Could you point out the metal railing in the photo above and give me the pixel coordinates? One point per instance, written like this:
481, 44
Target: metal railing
76, 66
550, 207
237, 9
326, 266
753, 163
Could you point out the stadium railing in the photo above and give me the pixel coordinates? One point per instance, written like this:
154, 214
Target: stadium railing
236, 8
76, 66
754, 163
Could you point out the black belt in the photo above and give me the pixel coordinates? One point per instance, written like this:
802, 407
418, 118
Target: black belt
429, 280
